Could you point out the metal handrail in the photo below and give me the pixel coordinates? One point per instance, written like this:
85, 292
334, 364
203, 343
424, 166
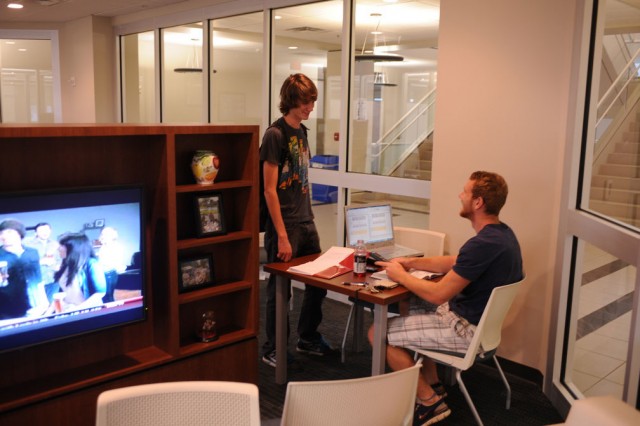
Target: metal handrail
623, 73
401, 122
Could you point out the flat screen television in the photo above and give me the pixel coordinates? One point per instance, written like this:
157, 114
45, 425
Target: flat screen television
86, 276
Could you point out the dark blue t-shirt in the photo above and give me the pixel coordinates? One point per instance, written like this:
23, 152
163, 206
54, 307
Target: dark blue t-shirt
490, 259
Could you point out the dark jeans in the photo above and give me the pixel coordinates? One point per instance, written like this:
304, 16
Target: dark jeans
304, 240
112, 281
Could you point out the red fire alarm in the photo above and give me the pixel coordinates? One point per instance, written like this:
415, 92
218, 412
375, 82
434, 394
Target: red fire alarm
336, 136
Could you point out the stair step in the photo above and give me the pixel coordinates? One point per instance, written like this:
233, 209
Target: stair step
614, 195
627, 147
623, 158
621, 170
615, 182
417, 174
623, 211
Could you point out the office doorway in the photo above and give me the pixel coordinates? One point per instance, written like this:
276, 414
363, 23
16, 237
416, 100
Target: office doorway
27, 81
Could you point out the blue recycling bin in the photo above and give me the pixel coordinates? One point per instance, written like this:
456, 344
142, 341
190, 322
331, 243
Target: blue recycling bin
324, 193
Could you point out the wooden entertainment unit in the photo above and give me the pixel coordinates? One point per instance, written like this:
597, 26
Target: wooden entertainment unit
57, 383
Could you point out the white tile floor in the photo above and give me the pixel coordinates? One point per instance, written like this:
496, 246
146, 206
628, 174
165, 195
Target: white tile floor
599, 358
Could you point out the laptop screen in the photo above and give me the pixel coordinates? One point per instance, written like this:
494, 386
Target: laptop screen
371, 223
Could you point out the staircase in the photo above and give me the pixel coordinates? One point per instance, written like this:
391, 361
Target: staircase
419, 163
615, 184
405, 150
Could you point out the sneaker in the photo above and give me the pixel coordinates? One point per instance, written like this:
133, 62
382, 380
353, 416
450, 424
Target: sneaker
270, 358
319, 347
429, 414
439, 389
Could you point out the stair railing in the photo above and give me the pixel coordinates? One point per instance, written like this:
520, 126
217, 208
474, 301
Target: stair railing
385, 159
629, 73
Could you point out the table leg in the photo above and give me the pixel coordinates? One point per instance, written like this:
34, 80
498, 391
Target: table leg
379, 340
358, 327
281, 329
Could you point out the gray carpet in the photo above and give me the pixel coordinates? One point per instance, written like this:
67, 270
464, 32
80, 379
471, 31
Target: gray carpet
529, 406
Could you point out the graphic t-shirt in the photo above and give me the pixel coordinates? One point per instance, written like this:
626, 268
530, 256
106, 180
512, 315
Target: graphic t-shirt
293, 182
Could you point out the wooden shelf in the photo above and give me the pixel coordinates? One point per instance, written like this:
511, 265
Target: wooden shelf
194, 188
82, 377
39, 381
198, 242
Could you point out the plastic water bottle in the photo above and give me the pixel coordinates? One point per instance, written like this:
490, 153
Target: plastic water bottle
360, 259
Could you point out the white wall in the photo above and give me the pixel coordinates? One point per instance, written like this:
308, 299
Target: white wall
503, 93
76, 71
88, 78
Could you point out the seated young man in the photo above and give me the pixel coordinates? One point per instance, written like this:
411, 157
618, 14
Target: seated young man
443, 315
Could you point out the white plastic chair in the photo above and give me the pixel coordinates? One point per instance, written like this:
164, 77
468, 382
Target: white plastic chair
601, 410
180, 403
431, 243
487, 337
382, 400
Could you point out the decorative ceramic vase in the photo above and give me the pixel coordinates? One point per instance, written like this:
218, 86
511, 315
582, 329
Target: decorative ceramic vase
205, 165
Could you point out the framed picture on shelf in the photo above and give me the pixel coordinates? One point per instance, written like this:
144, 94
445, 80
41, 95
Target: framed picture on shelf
209, 214
195, 273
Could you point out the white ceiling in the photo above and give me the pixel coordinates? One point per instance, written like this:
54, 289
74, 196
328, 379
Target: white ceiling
409, 22
69, 10
626, 11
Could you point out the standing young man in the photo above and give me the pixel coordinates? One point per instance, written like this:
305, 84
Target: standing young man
290, 230
443, 315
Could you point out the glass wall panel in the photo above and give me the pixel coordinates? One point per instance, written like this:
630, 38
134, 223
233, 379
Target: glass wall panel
236, 69
393, 88
26, 82
182, 77
602, 302
308, 40
407, 211
612, 183
138, 78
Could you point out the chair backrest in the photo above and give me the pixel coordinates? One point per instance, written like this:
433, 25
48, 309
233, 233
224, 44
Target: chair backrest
180, 403
489, 330
425, 240
386, 399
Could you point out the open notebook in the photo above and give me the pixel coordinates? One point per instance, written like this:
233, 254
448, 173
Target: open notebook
373, 223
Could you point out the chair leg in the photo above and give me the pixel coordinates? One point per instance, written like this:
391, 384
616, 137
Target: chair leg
346, 331
463, 388
504, 380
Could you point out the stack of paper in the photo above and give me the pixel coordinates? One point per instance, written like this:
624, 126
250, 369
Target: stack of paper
335, 261
426, 275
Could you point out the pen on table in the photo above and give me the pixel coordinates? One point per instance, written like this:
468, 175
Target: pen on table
362, 284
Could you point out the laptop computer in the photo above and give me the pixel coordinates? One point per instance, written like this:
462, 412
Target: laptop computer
373, 223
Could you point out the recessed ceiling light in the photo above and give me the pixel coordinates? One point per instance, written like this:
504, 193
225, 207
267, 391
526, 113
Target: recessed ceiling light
292, 47
15, 5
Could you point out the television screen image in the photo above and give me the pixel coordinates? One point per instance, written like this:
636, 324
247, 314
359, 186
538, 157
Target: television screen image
70, 263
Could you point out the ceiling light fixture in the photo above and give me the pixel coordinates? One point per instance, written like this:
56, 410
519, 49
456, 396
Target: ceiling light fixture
15, 5
374, 55
380, 79
193, 64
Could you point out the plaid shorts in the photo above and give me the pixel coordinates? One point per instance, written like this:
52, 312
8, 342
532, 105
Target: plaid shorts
430, 327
